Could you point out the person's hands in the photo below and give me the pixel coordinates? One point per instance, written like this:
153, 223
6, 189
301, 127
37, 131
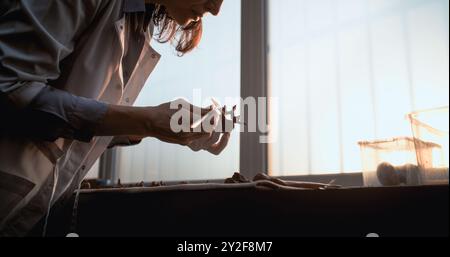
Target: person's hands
170, 122
167, 120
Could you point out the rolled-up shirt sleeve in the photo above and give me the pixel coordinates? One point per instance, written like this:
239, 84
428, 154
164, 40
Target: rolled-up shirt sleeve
54, 114
36, 37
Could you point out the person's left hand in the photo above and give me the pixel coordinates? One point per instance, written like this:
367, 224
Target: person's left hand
218, 139
215, 144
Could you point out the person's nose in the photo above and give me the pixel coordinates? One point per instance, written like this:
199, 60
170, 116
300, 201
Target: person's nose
213, 6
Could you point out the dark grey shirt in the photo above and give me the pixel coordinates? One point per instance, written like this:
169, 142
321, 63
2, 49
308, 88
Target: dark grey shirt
52, 113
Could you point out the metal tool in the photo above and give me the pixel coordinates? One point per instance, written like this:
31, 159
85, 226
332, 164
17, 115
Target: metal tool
224, 113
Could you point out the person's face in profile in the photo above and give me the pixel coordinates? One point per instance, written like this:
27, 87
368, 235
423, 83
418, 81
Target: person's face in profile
187, 11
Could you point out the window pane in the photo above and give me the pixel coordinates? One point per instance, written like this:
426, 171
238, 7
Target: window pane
351, 70
212, 70
93, 173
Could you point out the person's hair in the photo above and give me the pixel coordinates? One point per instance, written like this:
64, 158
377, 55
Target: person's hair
183, 38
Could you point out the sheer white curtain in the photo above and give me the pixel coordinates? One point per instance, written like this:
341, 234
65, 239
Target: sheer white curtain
350, 70
213, 68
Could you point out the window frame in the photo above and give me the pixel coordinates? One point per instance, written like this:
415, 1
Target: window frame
254, 157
